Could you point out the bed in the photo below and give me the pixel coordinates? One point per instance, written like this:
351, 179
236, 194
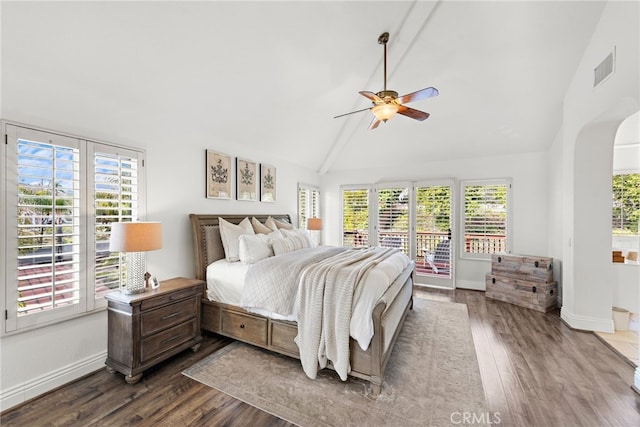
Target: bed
278, 334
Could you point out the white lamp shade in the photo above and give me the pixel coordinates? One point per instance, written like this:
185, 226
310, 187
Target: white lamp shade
314, 224
135, 236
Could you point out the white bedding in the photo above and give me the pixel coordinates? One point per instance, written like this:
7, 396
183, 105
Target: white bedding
225, 283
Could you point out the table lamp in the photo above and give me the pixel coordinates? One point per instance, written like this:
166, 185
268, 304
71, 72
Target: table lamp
135, 238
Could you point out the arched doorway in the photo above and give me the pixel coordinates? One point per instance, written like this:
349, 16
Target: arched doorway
587, 285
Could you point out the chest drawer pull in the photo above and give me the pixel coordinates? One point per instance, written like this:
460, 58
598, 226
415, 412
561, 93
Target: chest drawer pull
169, 316
168, 340
242, 326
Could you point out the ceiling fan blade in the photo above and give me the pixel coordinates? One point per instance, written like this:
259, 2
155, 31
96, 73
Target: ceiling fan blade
374, 123
371, 96
418, 95
413, 113
353, 112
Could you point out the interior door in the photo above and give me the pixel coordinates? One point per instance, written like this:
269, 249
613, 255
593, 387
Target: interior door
434, 233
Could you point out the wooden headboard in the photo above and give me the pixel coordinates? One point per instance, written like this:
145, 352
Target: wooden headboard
207, 245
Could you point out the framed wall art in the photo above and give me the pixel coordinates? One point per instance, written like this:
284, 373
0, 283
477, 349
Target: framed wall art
267, 183
246, 178
218, 175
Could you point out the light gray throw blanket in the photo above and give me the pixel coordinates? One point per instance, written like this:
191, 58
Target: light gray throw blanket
325, 301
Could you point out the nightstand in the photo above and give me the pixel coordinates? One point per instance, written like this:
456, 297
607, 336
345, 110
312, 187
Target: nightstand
147, 328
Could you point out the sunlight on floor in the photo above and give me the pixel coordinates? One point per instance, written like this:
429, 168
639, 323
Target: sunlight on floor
625, 342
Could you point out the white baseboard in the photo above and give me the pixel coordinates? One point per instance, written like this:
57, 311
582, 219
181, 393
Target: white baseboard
469, 284
586, 323
21, 393
636, 379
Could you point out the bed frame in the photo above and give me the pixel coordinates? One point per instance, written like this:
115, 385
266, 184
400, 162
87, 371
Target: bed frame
277, 335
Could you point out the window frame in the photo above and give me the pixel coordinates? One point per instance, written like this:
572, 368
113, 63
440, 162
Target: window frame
10, 322
371, 221
614, 217
309, 207
463, 254
98, 300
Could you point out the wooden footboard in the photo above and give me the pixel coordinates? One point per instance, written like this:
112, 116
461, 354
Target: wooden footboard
277, 335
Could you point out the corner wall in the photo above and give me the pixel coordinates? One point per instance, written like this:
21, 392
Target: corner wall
591, 118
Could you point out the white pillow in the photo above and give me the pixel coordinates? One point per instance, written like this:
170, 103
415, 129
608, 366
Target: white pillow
274, 224
259, 227
230, 233
290, 244
271, 223
297, 232
255, 247
275, 235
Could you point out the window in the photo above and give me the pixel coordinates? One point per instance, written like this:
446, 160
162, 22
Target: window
485, 218
625, 211
626, 204
393, 217
376, 216
355, 216
308, 204
115, 193
61, 195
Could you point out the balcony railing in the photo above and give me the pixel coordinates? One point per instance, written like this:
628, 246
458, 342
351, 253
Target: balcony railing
474, 243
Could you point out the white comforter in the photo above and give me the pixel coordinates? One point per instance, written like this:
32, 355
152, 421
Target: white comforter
275, 286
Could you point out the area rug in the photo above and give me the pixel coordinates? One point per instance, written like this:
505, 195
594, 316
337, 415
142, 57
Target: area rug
432, 378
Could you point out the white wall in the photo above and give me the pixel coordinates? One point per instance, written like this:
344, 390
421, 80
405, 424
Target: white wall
175, 188
555, 213
591, 117
529, 172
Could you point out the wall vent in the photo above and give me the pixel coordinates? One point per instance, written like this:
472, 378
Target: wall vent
604, 69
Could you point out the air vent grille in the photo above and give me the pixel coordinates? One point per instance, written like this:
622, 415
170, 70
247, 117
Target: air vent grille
604, 69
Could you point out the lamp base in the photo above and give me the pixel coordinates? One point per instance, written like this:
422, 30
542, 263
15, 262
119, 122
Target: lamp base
135, 279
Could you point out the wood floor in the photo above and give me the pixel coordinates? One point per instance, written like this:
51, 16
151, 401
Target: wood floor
536, 372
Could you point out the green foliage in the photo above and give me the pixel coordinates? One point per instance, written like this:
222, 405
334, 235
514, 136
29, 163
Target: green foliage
626, 203
433, 208
356, 209
393, 208
485, 207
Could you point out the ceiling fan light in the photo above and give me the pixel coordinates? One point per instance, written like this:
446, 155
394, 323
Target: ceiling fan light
384, 112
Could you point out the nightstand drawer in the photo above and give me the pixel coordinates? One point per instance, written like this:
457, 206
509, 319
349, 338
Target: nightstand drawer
244, 327
169, 298
168, 316
166, 340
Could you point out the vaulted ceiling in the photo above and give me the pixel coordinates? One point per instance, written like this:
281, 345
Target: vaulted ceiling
272, 75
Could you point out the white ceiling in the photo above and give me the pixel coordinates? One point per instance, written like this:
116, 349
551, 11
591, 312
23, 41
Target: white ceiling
273, 74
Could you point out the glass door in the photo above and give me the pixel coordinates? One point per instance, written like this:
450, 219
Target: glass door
434, 233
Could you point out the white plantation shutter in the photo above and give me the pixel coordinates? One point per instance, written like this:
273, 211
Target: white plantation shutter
433, 216
308, 204
115, 192
355, 216
44, 230
626, 206
485, 217
393, 217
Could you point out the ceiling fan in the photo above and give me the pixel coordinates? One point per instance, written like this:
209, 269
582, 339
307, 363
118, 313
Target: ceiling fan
387, 103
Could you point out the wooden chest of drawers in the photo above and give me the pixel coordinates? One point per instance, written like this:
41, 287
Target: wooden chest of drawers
145, 329
526, 281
